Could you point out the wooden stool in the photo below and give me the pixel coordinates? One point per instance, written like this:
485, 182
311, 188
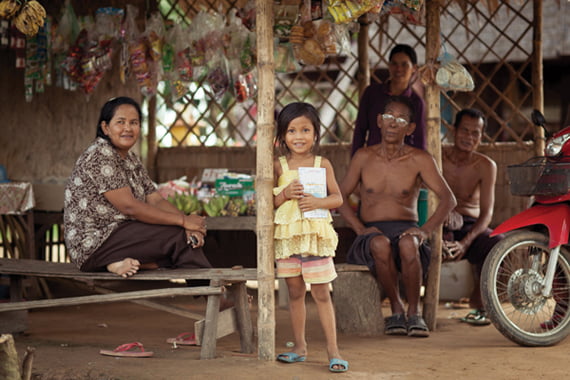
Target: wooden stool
357, 303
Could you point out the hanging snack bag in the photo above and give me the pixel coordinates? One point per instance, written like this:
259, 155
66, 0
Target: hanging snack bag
218, 77
154, 33
452, 76
285, 61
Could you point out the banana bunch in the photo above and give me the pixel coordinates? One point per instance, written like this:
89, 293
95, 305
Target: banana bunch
187, 203
31, 18
9, 8
236, 207
250, 208
217, 205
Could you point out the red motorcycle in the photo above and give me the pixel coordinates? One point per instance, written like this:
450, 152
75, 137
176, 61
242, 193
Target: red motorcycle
526, 276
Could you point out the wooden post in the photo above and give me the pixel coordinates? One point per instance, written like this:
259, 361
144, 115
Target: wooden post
151, 139
264, 180
537, 75
363, 63
432, 94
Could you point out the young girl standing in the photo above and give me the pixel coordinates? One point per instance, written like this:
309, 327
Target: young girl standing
305, 247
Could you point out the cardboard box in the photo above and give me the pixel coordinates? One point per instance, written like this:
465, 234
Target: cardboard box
49, 197
235, 187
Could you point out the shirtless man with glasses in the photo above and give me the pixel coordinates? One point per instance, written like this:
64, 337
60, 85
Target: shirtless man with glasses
389, 240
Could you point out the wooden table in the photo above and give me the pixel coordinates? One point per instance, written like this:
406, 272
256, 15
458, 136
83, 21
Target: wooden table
249, 223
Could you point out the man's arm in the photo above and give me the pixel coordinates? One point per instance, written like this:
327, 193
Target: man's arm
486, 202
434, 180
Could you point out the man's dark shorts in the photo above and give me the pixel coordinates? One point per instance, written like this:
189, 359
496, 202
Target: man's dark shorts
359, 252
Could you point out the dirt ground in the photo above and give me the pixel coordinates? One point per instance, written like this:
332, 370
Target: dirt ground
67, 341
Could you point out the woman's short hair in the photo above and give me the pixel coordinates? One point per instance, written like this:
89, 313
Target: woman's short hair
108, 111
407, 50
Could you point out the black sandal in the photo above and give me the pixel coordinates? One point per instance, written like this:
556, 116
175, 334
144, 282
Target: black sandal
395, 325
417, 327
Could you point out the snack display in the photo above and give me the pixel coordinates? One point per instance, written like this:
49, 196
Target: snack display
233, 194
216, 49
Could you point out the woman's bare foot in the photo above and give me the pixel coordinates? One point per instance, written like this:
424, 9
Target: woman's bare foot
124, 268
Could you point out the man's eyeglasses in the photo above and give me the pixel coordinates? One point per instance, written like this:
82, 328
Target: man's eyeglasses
398, 120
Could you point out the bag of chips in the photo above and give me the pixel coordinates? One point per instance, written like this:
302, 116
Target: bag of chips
452, 76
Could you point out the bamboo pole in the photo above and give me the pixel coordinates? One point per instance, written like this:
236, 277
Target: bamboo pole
264, 180
151, 139
537, 75
363, 62
432, 95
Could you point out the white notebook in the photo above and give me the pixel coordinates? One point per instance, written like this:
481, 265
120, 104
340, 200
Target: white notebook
314, 181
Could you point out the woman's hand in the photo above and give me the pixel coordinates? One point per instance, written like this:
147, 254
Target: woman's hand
195, 223
195, 238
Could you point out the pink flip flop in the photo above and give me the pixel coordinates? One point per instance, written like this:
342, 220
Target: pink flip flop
126, 350
183, 339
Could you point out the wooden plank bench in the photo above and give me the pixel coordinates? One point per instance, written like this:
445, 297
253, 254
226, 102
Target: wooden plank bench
357, 301
215, 324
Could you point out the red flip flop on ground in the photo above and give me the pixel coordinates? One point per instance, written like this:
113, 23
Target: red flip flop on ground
128, 350
183, 339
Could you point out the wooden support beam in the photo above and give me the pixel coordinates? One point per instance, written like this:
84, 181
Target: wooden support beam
264, 180
432, 95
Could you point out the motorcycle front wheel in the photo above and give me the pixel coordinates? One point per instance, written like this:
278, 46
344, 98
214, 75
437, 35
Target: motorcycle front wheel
512, 280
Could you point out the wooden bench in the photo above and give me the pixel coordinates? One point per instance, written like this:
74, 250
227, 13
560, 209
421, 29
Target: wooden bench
208, 329
357, 301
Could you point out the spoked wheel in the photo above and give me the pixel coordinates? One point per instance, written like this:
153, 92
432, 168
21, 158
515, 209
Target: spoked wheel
512, 282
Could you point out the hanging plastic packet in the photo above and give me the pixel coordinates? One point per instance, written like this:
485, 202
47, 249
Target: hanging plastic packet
407, 11
343, 11
285, 61
218, 77
154, 33
452, 76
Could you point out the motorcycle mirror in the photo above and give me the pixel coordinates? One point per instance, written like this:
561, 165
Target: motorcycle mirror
538, 118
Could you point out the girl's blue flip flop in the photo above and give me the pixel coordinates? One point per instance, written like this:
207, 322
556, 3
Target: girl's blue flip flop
290, 357
338, 362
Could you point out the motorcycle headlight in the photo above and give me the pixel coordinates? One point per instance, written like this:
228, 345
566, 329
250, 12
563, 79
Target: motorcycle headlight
554, 146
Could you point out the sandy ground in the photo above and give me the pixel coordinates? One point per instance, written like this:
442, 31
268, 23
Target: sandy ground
67, 341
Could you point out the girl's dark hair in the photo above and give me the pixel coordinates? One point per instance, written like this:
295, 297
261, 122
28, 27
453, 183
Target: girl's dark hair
291, 112
407, 50
108, 111
471, 112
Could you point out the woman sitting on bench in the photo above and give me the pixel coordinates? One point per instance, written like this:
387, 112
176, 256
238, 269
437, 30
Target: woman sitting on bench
114, 218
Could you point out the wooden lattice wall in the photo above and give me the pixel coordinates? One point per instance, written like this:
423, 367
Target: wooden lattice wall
494, 45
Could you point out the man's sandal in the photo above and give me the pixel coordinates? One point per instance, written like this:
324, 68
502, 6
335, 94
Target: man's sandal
417, 327
395, 325
476, 317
